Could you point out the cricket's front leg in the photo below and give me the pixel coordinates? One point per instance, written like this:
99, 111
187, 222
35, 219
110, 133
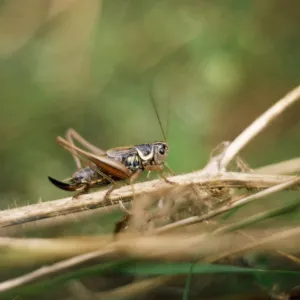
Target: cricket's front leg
166, 179
169, 169
161, 171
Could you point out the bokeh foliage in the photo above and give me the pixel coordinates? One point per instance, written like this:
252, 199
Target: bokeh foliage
91, 64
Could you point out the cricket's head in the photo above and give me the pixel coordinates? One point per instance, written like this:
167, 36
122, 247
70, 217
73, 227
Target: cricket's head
161, 150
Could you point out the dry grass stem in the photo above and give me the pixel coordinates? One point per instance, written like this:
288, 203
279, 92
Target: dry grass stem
286, 167
94, 200
258, 125
26, 251
50, 270
275, 241
203, 248
254, 219
59, 221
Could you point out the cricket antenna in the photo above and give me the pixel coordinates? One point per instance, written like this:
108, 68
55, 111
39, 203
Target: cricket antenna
168, 116
156, 111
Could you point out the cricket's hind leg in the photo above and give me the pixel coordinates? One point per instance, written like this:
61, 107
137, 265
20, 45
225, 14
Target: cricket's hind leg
113, 187
84, 189
72, 135
108, 192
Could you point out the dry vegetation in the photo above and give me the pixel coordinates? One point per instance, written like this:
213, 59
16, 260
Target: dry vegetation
170, 231
226, 231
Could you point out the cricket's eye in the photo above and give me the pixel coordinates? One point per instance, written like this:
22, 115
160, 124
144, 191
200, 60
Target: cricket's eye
162, 151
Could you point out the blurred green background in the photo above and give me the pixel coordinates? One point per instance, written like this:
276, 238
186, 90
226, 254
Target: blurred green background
90, 65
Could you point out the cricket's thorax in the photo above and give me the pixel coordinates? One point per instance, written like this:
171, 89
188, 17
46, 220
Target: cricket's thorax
141, 156
133, 162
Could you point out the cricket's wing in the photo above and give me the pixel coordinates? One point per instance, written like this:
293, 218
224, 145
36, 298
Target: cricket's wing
108, 165
118, 153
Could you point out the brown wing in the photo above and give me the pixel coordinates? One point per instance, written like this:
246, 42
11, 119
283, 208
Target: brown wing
108, 165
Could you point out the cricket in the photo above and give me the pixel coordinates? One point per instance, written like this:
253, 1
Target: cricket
105, 167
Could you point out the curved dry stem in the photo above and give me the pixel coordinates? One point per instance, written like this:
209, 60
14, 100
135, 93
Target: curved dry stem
258, 125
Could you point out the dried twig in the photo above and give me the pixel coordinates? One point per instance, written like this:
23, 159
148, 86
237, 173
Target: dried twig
68, 205
59, 221
286, 167
258, 125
